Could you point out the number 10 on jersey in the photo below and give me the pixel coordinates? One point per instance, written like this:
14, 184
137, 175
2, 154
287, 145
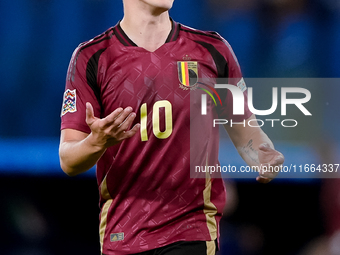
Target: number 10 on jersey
155, 120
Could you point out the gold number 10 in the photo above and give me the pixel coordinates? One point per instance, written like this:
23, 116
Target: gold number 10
155, 120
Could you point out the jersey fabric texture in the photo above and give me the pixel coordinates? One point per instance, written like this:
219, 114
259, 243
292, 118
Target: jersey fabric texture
147, 196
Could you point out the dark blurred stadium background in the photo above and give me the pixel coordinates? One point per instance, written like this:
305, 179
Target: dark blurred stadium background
42, 211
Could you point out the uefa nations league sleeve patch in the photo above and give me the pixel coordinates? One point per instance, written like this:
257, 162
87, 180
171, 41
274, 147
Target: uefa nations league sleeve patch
69, 102
242, 85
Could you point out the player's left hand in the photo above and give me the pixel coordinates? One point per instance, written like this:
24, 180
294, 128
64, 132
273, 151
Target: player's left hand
271, 161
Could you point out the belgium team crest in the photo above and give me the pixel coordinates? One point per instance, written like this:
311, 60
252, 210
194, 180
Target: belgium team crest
187, 74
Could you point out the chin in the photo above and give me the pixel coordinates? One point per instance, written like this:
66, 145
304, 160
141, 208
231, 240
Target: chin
161, 4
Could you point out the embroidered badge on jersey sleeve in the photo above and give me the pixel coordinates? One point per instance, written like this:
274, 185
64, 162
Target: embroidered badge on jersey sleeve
69, 102
242, 85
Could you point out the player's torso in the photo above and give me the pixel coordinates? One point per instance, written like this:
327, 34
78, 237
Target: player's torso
148, 175
153, 84
133, 76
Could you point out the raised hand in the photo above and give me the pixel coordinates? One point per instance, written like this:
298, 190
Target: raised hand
112, 129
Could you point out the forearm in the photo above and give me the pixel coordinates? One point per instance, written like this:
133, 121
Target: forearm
256, 149
247, 141
248, 147
79, 151
78, 156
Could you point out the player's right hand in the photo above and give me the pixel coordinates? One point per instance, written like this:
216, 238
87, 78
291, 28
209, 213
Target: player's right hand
112, 129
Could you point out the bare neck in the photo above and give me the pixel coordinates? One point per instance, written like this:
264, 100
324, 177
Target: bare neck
146, 29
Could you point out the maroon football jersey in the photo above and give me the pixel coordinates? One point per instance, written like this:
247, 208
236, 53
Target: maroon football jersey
147, 197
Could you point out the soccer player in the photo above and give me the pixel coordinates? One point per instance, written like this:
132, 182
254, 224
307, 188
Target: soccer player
132, 105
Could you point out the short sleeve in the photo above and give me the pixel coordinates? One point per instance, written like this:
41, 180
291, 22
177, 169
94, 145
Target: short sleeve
78, 91
235, 78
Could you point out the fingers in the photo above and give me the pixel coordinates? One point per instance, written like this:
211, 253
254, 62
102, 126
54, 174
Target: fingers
132, 131
279, 159
90, 118
271, 163
124, 124
263, 179
125, 118
108, 120
113, 128
268, 155
265, 147
116, 125
119, 120
120, 125
268, 171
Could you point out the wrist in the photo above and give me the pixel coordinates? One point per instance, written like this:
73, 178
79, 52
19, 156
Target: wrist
93, 143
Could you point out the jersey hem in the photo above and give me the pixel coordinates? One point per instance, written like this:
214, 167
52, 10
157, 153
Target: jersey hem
106, 252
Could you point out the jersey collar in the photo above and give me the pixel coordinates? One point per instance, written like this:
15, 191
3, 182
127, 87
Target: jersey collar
126, 41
